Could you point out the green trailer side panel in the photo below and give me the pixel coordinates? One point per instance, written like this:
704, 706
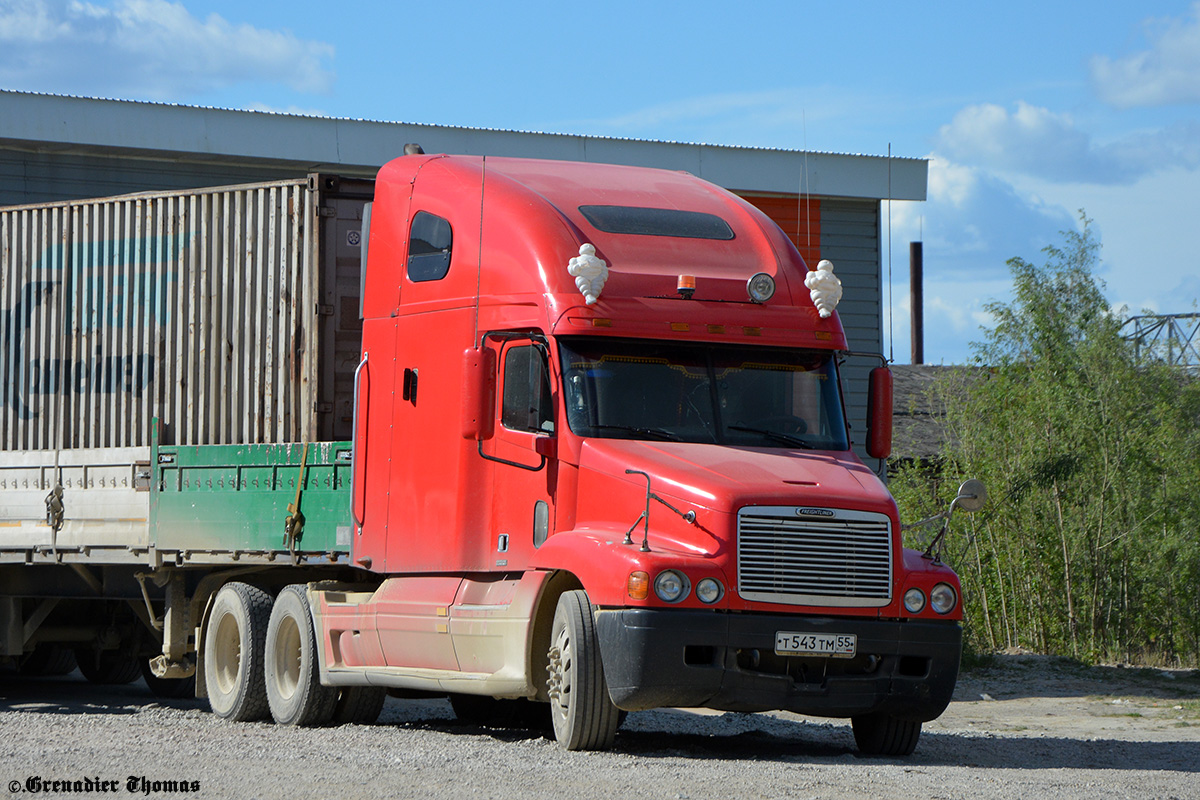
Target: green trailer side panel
234, 498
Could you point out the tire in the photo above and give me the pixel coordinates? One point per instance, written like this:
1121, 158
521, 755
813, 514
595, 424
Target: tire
108, 667
883, 735
233, 652
582, 713
167, 688
48, 660
294, 690
358, 705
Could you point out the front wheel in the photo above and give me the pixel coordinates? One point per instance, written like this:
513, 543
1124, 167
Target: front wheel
883, 735
294, 689
583, 714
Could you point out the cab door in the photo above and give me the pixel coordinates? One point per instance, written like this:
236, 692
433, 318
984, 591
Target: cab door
523, 451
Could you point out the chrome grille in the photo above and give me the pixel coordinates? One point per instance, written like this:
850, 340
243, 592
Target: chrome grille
824, 557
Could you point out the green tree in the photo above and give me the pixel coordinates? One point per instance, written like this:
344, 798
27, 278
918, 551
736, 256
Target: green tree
1089, 546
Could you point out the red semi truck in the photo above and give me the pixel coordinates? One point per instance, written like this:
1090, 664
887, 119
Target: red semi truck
598, 461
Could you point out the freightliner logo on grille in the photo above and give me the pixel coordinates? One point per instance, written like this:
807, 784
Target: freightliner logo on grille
814, 512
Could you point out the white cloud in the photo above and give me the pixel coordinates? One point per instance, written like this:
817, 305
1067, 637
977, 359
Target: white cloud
147, 48
1166, 74
972, 223
978, 221
1037, 141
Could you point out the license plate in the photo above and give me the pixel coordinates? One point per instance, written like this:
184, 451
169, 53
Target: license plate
837, 645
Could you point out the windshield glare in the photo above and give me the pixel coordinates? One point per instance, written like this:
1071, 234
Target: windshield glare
671, 391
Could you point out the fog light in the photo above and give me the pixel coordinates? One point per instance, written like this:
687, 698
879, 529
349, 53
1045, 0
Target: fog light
639, 585
671, 586
943, 598
709, 590
914, 601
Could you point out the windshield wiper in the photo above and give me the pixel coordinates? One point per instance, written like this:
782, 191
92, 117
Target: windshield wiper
785, 438
655, 432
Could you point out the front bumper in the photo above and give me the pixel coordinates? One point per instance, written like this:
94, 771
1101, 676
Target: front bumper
699, 659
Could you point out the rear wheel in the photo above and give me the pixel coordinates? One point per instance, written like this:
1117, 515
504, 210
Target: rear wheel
47, 660
883, 735
233, 652
583, 715
293, 680
108, 667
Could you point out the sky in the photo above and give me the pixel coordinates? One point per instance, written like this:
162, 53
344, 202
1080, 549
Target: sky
1031, 114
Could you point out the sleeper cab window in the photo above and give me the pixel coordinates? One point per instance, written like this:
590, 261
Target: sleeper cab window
429, 245
527, 403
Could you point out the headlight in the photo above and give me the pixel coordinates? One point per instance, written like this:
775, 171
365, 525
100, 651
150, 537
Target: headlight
709, 590
914, 600
761, 287
943, 598
671, 586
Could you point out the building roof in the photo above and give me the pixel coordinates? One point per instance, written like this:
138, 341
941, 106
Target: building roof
919, 408
44, 122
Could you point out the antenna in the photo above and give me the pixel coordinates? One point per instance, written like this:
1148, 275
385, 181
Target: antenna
479, 261
807, 193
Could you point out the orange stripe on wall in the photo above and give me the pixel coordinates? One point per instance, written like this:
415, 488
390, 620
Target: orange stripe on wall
798, 217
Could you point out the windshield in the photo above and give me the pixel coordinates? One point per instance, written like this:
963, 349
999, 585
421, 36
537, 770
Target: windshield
683, 392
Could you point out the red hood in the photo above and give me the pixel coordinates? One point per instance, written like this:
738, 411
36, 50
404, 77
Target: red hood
723, 479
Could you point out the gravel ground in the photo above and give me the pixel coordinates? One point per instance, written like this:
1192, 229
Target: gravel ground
1027, 727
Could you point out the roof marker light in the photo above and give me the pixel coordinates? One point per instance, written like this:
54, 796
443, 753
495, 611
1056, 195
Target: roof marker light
760, 287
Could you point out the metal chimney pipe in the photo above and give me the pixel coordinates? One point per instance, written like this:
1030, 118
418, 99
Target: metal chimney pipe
916, 270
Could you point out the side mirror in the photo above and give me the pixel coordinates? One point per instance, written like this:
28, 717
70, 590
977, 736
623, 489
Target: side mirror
546, 446
971, 495
879, 413
479, 394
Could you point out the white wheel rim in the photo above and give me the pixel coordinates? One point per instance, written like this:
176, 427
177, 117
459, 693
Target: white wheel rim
560, 672
287, 657
227, 654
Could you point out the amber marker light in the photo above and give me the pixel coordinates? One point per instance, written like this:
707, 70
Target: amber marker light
639, 585
686, 286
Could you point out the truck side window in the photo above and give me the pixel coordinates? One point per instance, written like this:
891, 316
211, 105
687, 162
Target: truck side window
526, 405
429, 245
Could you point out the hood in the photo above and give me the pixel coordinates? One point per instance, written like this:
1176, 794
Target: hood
722, 478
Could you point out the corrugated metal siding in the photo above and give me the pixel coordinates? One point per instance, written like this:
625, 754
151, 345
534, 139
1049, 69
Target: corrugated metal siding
850, 239
798, 217
51, 177
847, 233
196, 308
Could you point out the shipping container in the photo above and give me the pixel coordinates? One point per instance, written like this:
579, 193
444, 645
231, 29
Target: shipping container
220, 316
229, 314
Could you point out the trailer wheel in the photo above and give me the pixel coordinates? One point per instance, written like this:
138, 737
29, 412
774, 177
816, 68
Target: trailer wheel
168, 688
108, 667
294, 688
883, 735
358, 705
233, 652
47, 660
582, 713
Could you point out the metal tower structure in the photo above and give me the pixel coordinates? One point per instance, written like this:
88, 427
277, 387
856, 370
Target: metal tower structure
1173, 339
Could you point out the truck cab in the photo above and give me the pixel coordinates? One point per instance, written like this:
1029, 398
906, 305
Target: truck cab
601, 461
